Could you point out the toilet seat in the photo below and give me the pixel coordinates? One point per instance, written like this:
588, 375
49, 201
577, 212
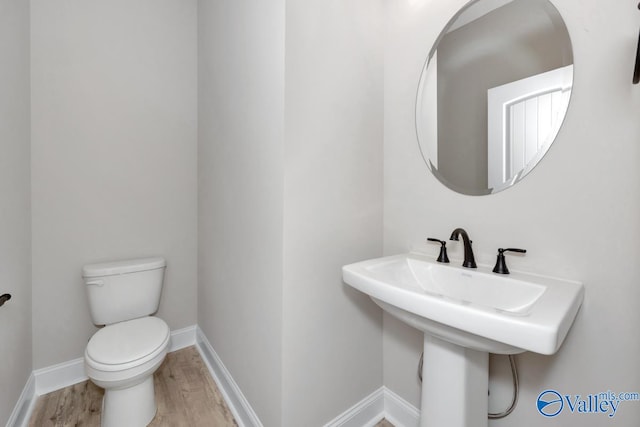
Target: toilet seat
125, 345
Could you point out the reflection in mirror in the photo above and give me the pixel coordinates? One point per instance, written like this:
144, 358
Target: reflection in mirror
493, 93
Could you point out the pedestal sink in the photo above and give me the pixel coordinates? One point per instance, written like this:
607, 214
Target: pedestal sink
466, 314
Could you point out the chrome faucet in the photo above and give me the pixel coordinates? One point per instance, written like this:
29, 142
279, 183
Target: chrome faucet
469, 260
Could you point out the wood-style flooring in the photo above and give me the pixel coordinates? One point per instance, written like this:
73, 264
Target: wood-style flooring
185, 393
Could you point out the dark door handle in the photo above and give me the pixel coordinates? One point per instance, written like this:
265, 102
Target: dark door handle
636, 70
4, 298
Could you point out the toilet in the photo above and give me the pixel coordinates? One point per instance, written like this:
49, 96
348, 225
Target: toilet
123, 355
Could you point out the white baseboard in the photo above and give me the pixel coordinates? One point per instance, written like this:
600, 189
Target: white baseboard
238, 404
22, 411
59, 376
382, 403
398, 411
182, 338
366, 413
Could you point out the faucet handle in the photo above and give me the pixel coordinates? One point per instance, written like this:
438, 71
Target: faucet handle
501, 264
443, 250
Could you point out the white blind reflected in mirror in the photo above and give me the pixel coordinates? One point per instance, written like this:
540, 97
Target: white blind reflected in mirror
523, 119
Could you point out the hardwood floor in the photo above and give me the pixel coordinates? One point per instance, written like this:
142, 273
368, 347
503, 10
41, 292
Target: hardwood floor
185, 393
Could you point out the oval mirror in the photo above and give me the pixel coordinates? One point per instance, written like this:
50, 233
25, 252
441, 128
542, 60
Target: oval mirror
493, 93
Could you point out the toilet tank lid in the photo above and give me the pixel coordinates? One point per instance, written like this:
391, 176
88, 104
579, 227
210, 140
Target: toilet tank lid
122, 267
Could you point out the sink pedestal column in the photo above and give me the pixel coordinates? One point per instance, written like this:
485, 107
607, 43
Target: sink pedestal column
455, 385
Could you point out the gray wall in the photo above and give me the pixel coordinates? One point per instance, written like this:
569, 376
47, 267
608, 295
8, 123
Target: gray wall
290, 167
113, 156
240, 178
576, 213
15, 241
333, 205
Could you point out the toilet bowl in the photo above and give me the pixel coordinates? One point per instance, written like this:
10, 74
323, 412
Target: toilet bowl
122, 358
123, 355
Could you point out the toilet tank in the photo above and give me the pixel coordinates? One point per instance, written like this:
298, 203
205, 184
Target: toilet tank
123, 290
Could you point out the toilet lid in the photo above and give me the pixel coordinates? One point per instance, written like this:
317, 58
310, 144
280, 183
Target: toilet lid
128, 341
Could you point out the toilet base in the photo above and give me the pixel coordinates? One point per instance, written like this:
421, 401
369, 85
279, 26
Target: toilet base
132, 406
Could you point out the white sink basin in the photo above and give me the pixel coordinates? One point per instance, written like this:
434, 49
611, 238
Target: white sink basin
472, 308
